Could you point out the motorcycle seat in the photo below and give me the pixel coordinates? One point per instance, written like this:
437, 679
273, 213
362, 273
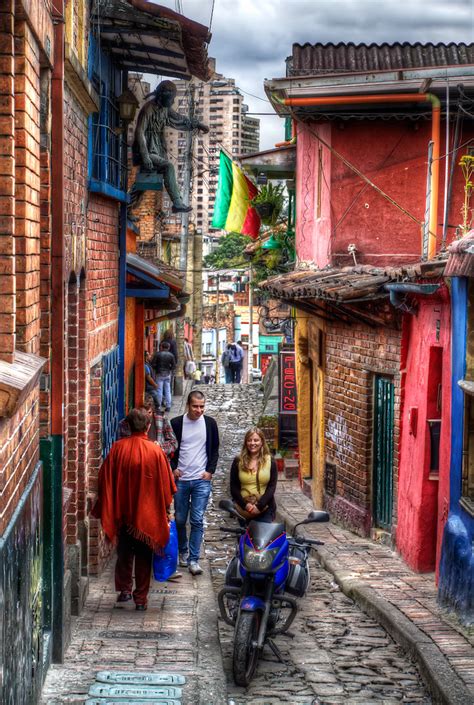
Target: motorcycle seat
263, 534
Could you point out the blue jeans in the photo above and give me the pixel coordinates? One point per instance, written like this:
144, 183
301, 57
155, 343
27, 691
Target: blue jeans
191, 498
154, 394
164, 390
228, 375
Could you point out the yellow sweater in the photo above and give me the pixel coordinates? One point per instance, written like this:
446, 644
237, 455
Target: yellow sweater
248, 480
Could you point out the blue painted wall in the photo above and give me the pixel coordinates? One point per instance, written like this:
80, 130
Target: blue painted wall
456, 575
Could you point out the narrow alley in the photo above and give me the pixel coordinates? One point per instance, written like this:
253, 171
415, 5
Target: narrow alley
337, 653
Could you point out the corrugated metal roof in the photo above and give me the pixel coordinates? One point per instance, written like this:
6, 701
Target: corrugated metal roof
313, 59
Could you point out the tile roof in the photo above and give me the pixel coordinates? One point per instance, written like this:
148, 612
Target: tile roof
313, 59
348, 284
461, 257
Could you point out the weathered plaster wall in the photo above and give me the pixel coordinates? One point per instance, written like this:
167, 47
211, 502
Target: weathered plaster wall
393, 156
423, 495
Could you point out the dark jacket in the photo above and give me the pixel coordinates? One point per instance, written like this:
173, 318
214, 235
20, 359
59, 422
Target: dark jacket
212, 442
163, 362
268, 497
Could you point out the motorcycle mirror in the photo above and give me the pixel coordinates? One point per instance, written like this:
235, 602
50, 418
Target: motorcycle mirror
316, 516
226, 504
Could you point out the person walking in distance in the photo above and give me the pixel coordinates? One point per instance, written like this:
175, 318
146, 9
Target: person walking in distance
164, 364
193, 465
225, 360
236, 361
135, 493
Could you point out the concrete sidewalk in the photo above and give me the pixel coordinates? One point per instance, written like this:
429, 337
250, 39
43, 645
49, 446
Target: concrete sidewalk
404, 602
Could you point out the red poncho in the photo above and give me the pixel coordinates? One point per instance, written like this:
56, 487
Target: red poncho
136, 488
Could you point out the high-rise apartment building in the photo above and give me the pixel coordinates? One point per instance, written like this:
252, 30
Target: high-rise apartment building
219, 104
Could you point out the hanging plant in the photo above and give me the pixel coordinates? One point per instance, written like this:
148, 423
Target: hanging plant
467, 166
269, 203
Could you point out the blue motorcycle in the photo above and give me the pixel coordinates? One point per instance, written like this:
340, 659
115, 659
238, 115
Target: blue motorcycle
269, 570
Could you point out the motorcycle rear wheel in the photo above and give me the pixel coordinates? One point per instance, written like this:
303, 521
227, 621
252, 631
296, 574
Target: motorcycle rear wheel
245, 648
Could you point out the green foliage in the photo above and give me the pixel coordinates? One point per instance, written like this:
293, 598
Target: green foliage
267, 263
273, 194
229, 252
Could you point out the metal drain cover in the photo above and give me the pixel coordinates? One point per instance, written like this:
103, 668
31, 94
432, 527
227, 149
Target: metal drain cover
138, 678
125, 693
106, 701
134, 636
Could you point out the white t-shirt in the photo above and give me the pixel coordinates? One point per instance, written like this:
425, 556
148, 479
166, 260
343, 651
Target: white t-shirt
192, 450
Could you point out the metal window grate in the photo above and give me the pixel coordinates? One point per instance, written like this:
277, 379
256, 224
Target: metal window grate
110, 392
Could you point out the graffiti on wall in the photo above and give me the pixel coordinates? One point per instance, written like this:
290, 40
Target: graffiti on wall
21, 634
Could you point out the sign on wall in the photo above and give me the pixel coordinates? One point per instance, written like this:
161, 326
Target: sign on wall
287, 399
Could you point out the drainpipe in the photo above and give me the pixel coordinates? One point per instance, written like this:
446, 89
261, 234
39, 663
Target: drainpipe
398, 291
393, 98
57, 327
288, 143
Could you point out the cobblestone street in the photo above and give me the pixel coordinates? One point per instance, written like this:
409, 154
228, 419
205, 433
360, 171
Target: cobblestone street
338, 654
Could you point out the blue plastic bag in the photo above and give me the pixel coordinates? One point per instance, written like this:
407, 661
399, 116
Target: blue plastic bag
165, 564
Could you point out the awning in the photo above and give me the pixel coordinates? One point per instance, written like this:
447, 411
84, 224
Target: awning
277, 163
149, 38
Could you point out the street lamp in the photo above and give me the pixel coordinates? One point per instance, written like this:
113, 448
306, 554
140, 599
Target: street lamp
127, 104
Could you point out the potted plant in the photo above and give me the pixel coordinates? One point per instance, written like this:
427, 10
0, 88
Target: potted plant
269, 203
268, 425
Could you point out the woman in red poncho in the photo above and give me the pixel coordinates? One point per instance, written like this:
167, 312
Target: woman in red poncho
136, 489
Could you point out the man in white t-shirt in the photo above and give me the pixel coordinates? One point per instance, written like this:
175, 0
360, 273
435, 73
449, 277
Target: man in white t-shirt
193, 465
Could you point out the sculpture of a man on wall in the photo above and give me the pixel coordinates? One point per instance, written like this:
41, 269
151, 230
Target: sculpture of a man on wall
149, 147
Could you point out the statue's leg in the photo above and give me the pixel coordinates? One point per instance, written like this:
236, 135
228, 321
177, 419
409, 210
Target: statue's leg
169, 178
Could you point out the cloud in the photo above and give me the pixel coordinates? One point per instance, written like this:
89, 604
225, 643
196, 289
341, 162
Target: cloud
251, 39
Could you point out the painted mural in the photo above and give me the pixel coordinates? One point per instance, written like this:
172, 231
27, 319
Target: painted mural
21, 633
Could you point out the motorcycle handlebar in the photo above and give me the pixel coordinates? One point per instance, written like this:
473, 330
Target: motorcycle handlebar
230, 530
301, 541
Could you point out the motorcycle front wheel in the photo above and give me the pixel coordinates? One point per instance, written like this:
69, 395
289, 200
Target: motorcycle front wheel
245, 647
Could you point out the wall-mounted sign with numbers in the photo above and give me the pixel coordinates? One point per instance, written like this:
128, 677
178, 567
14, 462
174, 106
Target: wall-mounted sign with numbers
287, 387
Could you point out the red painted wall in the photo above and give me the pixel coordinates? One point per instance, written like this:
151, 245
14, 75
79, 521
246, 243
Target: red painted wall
422, 494
393, 156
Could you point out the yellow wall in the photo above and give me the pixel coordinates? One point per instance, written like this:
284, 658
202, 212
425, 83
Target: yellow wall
303, 382
309, 346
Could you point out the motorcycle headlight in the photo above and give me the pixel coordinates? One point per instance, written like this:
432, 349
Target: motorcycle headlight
259, 560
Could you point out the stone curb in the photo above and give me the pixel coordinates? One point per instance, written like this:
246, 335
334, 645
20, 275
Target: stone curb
444, 684
212, 679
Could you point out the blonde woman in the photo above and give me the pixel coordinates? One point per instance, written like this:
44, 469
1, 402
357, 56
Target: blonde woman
253, 479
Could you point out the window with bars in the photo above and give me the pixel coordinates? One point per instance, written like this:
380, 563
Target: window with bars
107, 138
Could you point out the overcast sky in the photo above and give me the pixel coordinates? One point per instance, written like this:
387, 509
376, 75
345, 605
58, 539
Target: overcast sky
252, 38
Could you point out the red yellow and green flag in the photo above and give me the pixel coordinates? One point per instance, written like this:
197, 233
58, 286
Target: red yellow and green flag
232, 209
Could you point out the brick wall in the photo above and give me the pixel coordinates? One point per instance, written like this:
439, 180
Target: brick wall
102, 274
354, 355
19, 244
101, 306
45, 252
19, 453
76, 379
7, 183
27, 188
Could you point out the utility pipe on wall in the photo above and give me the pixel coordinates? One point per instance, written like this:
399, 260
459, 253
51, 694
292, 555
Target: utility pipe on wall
392, 98
57, 326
